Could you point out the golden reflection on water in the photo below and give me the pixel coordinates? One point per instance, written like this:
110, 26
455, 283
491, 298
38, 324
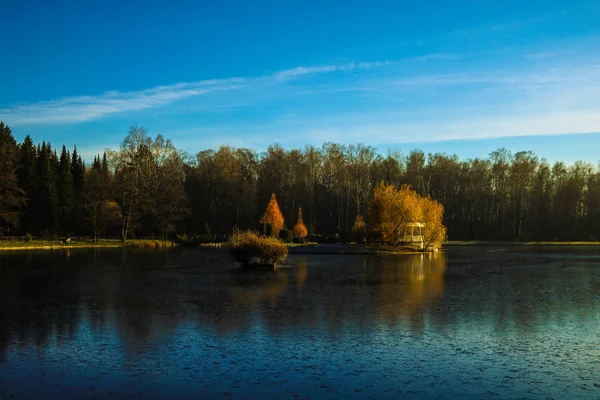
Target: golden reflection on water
386, 289
301, 271
408, 284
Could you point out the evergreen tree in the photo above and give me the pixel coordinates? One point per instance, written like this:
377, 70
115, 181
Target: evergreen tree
78, 174
47, 208
27, 175
65, 191
11, 195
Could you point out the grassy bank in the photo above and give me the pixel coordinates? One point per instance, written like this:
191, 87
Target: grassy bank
56, 244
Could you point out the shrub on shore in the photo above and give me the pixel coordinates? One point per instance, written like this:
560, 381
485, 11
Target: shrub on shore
151, 244
286, 235
250, 248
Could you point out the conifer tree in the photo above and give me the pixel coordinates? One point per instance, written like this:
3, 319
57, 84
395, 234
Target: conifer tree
65, 191
47, 209
27, 175
300, 230
272, 218
78, 173
11, 195
94, 196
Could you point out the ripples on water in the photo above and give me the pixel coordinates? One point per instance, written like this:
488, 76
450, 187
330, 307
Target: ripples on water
469, 322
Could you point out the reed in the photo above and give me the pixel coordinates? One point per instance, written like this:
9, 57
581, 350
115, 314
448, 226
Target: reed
151, 244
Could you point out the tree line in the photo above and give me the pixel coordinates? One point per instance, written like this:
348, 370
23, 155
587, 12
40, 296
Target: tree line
149, 188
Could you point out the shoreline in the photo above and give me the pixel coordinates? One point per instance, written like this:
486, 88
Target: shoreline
308, 248
63, 246
113, 244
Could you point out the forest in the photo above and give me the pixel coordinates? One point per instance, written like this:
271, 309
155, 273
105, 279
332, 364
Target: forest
149, 188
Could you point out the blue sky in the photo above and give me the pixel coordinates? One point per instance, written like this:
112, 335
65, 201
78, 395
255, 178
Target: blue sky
462, 77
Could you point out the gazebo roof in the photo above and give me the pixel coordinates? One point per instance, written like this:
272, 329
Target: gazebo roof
415, 225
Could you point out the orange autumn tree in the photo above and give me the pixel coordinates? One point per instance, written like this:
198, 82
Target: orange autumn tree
272, 218
300, 230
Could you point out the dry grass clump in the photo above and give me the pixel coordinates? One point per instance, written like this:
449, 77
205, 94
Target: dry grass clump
151, 244
250, 248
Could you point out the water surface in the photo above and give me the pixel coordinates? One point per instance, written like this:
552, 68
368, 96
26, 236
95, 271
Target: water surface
486, 322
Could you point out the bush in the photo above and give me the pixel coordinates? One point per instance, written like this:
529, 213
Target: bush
151, 244
315, 238
182, 239
28, 237
286, 235
331, 239
250, 248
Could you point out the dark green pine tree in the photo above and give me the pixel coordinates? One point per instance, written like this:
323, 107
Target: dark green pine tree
105, 172
97, 194
27, 175
78, 173
47, 209
11, 195
64, 180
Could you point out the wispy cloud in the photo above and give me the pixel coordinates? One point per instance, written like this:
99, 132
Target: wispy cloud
481, 105
409, 101
86, 108
70, 110
437, 57
584, 74
301, 71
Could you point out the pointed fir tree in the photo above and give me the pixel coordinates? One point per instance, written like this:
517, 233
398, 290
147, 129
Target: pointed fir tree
11, 195
47, 209
27, 174
78, 173
272, 219
300, 230
65, 191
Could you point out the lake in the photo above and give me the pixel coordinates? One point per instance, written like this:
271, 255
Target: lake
469, 322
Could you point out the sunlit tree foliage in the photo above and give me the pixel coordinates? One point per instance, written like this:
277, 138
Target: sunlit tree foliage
300, 230
272, 220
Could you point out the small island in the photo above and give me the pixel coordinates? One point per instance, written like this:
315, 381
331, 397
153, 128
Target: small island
399, 221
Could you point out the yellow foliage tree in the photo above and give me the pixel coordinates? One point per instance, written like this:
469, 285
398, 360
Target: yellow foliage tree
434, 232
392, 209
272, 217
300, 230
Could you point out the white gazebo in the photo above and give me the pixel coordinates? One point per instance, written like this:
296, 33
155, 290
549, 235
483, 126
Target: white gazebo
414, 233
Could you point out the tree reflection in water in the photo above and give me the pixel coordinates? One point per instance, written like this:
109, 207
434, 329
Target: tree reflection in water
144, 296
190, 318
